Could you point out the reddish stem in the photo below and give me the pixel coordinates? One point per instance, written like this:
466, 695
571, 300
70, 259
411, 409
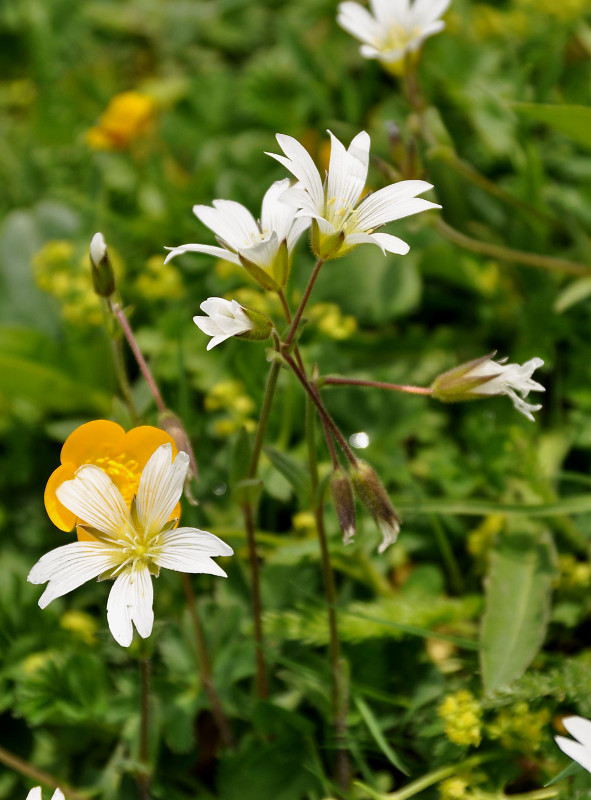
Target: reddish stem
394, 387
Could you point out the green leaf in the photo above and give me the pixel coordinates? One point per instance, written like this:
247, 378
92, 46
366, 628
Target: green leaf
567, 772
573, 121
573, 293
577, 504
294, 472
247, 491
375, 730
518, 590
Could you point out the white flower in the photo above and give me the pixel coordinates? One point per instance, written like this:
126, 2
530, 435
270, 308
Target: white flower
267, 244
224, 318
129, 545
483, 377
579, 751
340, 220
98, 248
509, 379
396, 29
35, 794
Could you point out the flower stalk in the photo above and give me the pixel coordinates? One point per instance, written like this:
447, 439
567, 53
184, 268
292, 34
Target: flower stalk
18, 764
393, 387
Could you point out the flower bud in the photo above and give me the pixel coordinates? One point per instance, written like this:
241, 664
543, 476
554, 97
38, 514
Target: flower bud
344, 503
374, 497
103, 278
461, 382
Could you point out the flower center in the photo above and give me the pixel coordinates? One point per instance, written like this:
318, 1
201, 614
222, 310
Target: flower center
124, 472
396, 38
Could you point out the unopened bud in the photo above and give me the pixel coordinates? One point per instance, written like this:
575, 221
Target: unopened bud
173, 426
344, 503
374, 497
103, 278
262, 325
462, 382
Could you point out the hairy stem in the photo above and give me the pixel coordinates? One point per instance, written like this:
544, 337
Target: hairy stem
298, 315
506, 254
325, 416
394, 387
339, 683
248, 514
141, 361
38, 775
205, 669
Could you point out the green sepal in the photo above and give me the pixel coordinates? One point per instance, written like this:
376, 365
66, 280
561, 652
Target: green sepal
323, 246
262, 325
281, 264
261, 277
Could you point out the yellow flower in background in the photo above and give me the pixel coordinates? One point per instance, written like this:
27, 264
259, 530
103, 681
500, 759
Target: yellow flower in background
80, 624
106, 445
520, 728
128, 117
229, 396
159, 283
62, 270
462, 716
332, 322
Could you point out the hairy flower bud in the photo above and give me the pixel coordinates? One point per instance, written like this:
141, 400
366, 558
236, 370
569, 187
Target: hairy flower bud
103, 278
374, 497
344, 503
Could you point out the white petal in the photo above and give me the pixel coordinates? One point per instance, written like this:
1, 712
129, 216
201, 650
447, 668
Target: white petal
389, 12
130, 600
393, 202
424, 12
574, 750
218, 340
189, 550
217, 306
385, 241
209, 250
229, 220
263, 253
275, 215
347, 171
68, 567
98, 248
208, 326
368, 51
357, 21
580, 728
93, 498
299, 226
35, 794
299, 162
298, 197
389, 534
58, 795
161, 485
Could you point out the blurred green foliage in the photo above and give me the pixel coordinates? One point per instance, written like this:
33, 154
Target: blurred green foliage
224, 77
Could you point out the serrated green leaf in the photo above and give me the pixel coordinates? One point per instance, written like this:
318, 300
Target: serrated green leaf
518, 590
573, 121
294, 472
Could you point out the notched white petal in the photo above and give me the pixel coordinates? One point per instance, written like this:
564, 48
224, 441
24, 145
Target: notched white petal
130, 601
160, 488
93, 498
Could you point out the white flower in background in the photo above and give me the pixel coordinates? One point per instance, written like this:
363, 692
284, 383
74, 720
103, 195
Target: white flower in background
224, 318
396, 28
35, 794
129, 545
340, 221
483, 377
264, 248
579, 751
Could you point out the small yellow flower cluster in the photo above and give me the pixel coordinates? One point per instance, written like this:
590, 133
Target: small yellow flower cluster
520, 728
462, 716
304, 521
230, 396
455, 788
332, 322
488, 22
63, 272
573, 574
128, 117
482, 538
158, 282
82, 625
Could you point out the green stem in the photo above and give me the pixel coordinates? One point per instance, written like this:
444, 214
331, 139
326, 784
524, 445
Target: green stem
394, 387
506, 254
447, 554
143, 777
432, 778
298, 315
204, 662
339, 684
248, 515
39, 776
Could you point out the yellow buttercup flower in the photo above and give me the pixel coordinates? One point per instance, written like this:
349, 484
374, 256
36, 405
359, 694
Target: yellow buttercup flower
129, 116
106, 445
